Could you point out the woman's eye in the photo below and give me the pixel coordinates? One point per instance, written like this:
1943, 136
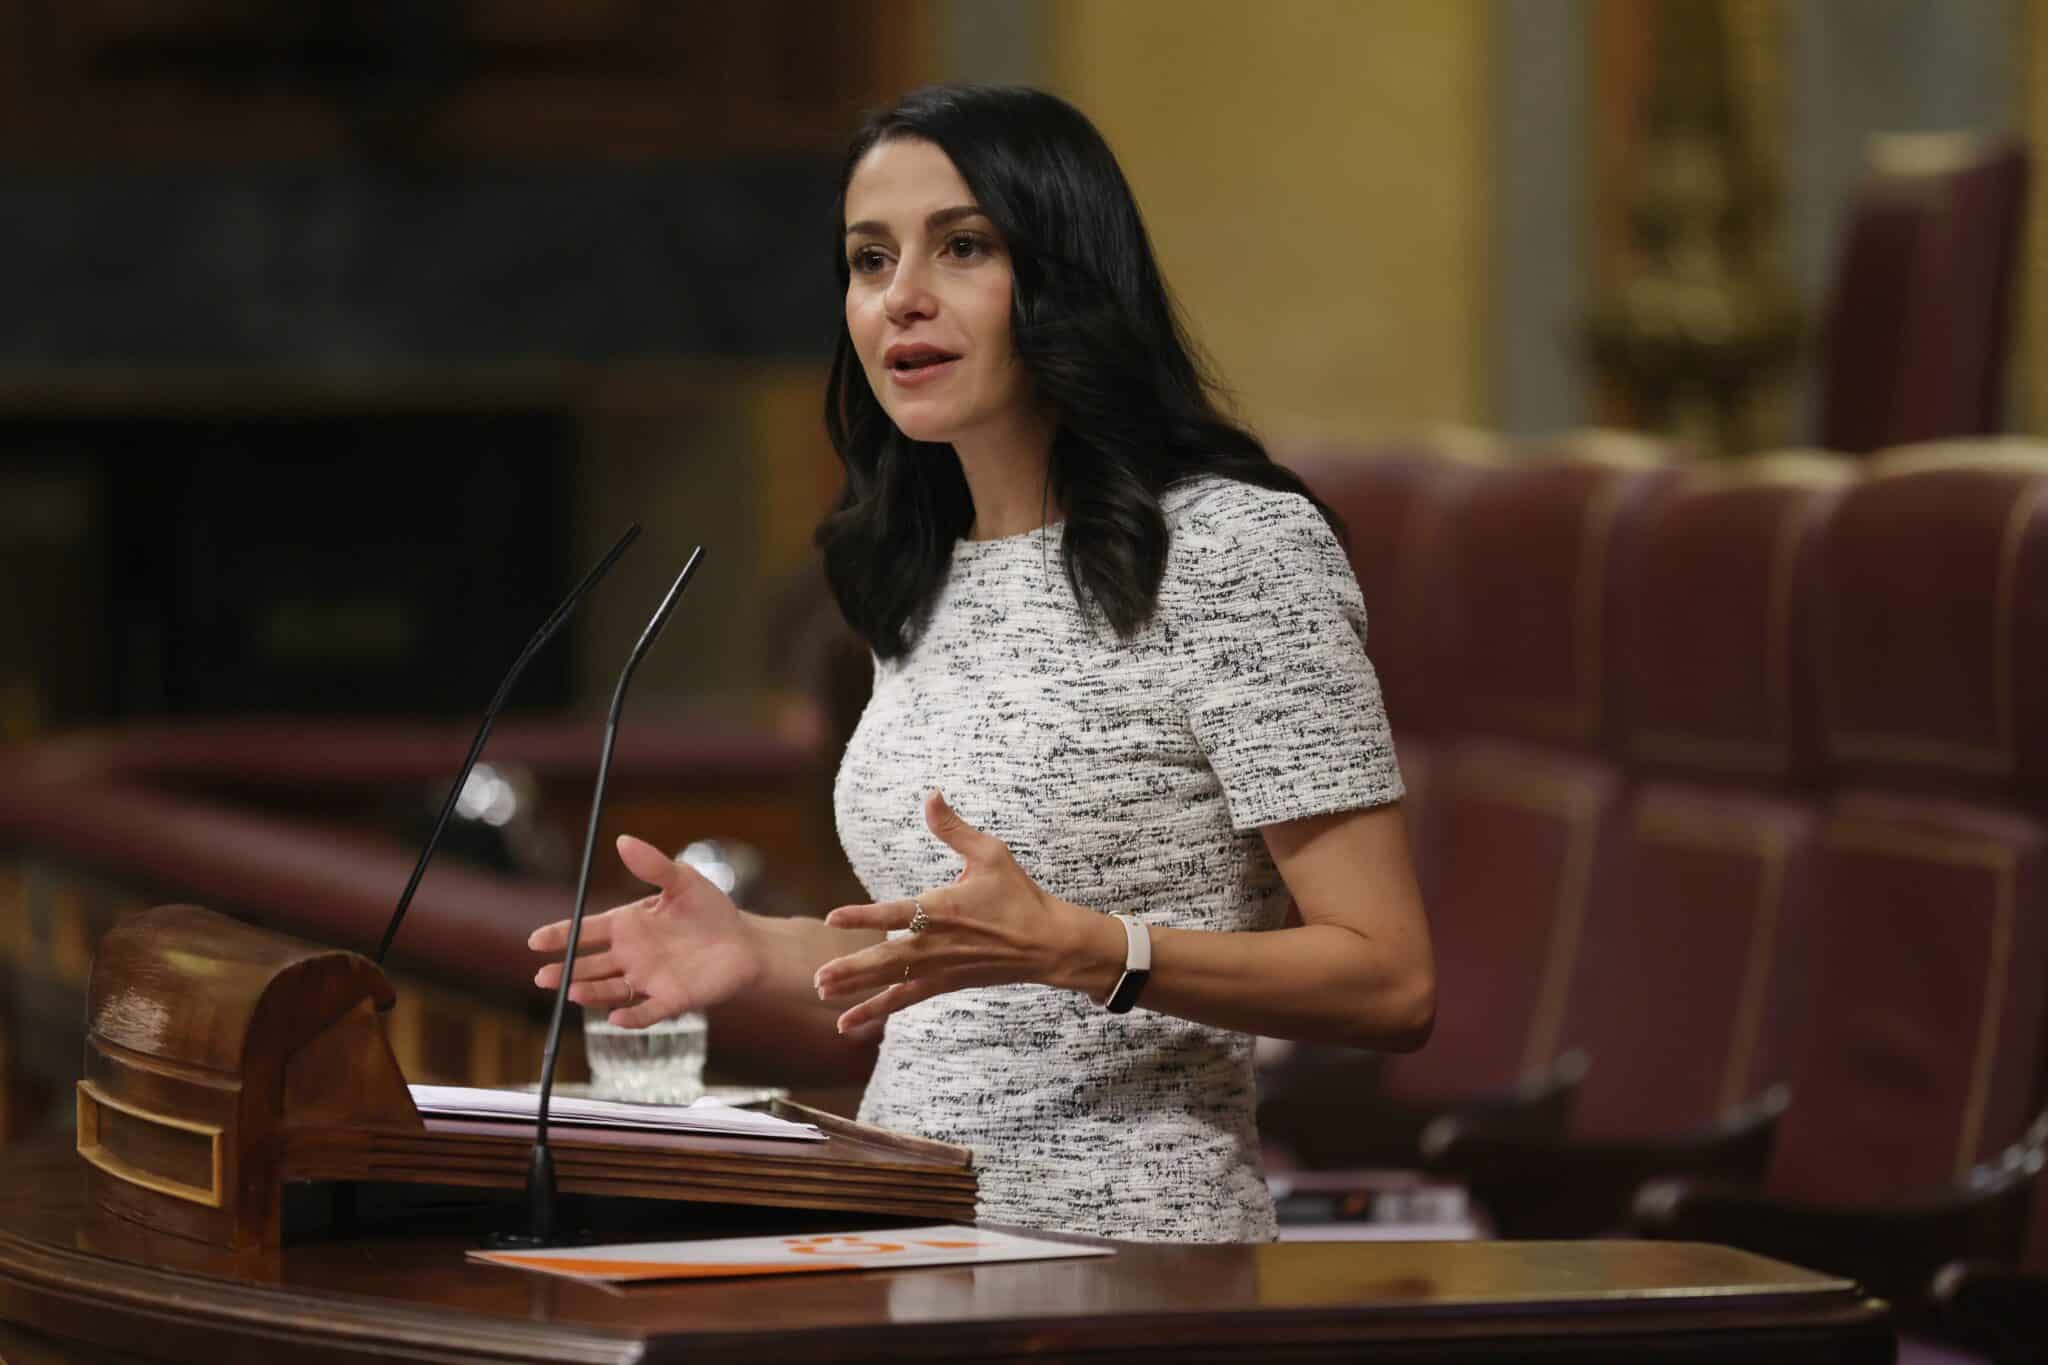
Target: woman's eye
965, 246
867, 260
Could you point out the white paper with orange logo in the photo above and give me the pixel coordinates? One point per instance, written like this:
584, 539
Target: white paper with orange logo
895, 1248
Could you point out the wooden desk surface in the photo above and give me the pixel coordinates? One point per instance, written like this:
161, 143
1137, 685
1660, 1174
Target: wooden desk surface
74, 1286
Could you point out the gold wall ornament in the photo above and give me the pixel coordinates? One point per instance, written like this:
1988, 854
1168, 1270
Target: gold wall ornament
1695, 322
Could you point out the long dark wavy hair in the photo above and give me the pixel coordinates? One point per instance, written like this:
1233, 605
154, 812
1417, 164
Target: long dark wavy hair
1091, 318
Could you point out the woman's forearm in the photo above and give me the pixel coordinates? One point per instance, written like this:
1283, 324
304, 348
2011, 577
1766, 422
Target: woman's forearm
1359, 971
1323, 983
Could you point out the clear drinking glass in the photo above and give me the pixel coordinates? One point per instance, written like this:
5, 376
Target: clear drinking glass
660, 1064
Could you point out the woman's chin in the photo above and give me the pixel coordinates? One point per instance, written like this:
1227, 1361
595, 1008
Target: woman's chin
923, 427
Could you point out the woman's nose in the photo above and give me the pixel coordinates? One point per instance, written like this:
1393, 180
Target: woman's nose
909, 295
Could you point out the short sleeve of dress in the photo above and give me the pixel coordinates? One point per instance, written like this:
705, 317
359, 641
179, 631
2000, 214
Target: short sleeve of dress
1281, 697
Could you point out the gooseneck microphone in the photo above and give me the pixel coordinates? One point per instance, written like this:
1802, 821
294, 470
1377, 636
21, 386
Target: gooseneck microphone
476, 746
540, 1171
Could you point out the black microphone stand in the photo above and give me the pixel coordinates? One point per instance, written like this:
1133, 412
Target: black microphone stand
476, 746
540, 1171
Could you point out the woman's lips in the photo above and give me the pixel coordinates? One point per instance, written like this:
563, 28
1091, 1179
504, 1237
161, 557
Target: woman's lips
910, 377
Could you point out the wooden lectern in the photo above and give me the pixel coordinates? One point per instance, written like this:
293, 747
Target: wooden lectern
223, 1060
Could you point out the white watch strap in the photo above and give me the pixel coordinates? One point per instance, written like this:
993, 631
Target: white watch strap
1137, 945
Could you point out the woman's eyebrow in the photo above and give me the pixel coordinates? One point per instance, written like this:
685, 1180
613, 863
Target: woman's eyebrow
938, 218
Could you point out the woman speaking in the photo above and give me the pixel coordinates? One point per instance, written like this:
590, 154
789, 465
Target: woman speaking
1122, 713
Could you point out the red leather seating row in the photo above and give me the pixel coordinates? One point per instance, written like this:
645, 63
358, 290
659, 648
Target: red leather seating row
1731, 777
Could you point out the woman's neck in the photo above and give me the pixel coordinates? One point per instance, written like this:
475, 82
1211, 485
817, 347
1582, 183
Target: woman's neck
1009, 478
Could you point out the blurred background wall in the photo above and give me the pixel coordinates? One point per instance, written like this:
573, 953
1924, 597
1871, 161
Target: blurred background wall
2034, 315
1319, 179
339, 337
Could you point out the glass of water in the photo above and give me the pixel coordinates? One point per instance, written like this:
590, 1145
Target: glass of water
660, 1064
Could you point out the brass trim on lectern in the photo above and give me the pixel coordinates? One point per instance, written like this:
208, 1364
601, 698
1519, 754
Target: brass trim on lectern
91, 1101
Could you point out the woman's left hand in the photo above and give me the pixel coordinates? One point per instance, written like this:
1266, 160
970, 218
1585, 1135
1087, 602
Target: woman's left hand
993, 926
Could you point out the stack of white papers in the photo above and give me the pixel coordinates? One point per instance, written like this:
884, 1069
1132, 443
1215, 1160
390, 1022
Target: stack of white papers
461, 1101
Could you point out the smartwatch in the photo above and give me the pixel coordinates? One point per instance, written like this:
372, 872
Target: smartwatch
1137, 967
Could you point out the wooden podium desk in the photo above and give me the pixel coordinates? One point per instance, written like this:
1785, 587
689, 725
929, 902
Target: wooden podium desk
74, 1287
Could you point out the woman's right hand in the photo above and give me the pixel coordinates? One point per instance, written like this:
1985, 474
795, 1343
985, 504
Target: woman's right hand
684, 948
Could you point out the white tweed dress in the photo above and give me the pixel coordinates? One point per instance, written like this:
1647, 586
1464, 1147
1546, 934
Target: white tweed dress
1128, 777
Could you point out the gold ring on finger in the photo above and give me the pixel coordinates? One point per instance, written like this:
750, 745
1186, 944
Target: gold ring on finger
919, 920
906, 973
